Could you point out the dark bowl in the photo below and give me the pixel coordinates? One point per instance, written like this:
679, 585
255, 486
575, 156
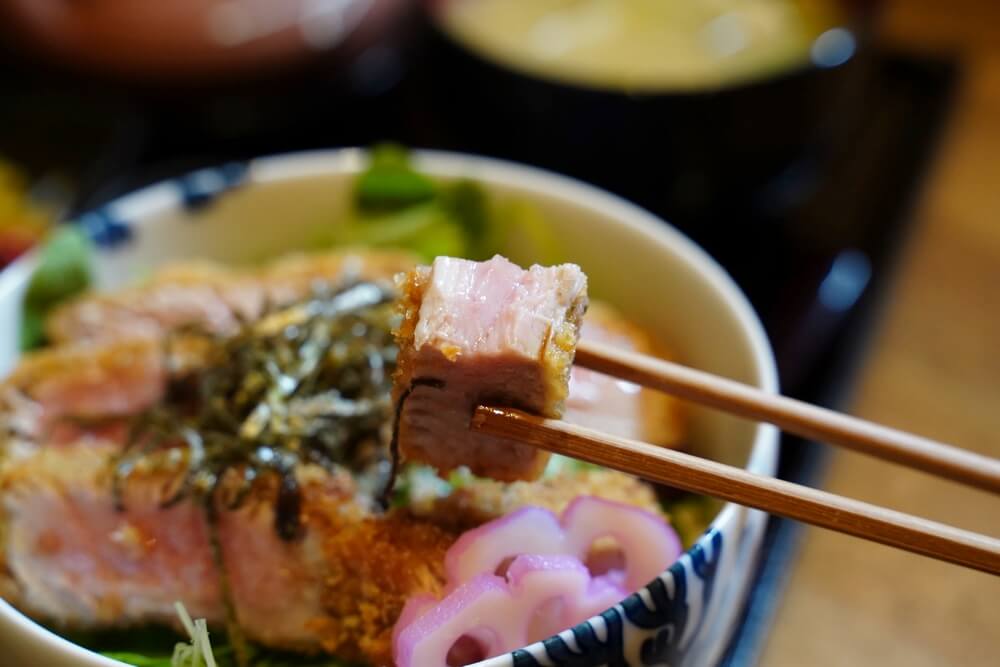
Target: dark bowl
693, 156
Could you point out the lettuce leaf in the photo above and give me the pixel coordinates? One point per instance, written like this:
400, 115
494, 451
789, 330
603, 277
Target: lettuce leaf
64, 270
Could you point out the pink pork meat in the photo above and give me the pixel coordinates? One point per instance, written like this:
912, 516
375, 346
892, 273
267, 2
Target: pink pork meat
483, 332
213, 297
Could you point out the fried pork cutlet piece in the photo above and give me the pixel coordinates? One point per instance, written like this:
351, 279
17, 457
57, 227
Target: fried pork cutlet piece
615, 406
68, 556
71, 558
211, 297
483, 332
53, 389
74, 559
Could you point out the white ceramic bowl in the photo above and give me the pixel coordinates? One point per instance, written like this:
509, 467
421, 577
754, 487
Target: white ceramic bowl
655, 275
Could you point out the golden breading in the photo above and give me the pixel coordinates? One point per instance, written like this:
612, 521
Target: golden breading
375, 565
484, 499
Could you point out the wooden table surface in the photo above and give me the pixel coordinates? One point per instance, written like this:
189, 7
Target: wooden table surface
934, 368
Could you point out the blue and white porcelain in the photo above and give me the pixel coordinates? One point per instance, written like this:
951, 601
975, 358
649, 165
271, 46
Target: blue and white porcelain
655, 275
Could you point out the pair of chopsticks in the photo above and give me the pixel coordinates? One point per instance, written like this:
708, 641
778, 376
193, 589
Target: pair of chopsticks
819, 508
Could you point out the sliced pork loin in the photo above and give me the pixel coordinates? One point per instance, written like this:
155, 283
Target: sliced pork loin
211, 297
70, 557
483, 332
215, 298
52, 393
77, 561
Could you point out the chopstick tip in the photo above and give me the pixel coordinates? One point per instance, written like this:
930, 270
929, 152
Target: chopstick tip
483, 413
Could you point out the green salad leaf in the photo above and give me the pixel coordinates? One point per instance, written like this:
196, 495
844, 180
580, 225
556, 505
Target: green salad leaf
395, 205
390, 183
521, 231
466, 204
63, 271
155, 657
425, 229
139, 659
151, 647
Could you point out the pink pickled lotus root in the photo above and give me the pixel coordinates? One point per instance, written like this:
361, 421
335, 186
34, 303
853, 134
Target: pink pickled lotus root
546, 586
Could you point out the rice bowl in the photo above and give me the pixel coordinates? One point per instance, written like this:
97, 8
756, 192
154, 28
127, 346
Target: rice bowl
696, 307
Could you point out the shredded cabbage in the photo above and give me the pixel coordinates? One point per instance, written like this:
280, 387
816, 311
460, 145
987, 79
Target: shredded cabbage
200, 647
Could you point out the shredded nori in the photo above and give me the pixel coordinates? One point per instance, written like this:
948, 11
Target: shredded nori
306, 383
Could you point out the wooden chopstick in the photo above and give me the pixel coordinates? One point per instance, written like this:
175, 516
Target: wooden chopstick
794, 416
776, 496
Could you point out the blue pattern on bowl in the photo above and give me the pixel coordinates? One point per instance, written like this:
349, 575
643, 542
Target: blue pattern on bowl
652, 627
200, 188
105, 229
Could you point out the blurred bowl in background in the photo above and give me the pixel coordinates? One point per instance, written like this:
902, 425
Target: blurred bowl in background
693, 102
194, 39
650, 46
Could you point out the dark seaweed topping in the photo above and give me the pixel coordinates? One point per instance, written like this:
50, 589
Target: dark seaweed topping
306, 383
287, 509
434, 383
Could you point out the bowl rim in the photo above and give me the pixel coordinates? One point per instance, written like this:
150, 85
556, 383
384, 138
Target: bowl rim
140, 205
